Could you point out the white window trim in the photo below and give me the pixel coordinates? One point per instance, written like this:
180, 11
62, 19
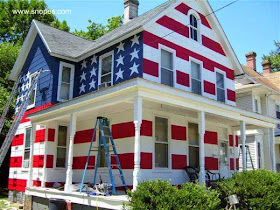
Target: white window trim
196, 15
201, 73
30, 106
173, 52
72, 67
56, 145
100, 66
188, 141
225, 87
25, 128
255, 97
159, 169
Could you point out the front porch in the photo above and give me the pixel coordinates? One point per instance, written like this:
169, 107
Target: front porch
199, 132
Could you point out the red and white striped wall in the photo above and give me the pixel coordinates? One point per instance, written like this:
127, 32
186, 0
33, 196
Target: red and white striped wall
171, 32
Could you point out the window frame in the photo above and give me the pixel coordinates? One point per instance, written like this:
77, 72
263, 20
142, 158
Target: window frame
173, 52
188, 141
258, 99
24, 148
160, 169
71, 87
201, 74
111, 53
196, 15
56, 146
30, 106
224, 74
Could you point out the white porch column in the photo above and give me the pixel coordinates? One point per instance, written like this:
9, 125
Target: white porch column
69, 172
243, 140
137, 146
234, 152
201, 128
30, 173
272, 148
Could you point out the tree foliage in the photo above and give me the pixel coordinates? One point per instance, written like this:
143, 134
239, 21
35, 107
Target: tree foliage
96, 30
14, 26
274, 57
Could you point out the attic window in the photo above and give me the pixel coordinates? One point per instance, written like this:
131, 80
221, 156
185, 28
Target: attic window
193, 28
65, 83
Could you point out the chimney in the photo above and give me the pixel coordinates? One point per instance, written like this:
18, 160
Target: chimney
251, 60
266, 67
130, 10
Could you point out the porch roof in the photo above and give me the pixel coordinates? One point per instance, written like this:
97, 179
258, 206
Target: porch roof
154, 92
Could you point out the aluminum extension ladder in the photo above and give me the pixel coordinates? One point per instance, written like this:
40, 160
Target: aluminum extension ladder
247, 153
108, 147
19, 115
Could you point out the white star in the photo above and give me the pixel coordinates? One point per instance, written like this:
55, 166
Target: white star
120, 47
134, 68
82, 88
135, 40
93, 60
27, 76
119, 74
92, 84
134, 54
84, 64
83, 76
120, 60
18, 99
16, 109
93, 72
23, 87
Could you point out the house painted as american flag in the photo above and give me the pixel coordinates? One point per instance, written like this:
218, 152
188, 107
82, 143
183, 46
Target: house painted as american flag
165, 80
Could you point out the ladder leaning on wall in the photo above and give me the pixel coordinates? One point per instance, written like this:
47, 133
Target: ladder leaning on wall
246, 155
18, 116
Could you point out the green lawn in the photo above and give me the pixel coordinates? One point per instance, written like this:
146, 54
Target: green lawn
4, 199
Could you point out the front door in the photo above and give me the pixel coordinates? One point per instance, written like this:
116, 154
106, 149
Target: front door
223, 159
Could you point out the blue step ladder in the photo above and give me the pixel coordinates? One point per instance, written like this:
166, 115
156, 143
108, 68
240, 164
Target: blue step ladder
109, 146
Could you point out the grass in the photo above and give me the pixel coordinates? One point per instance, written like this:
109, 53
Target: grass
4, 199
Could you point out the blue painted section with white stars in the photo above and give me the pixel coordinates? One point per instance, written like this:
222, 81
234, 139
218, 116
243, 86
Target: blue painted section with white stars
128, 61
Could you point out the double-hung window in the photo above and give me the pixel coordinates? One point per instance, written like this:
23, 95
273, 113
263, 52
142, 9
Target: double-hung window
61, 147
193, 28
161, 142
166, 68
27, 141
220, 87
278, 111
102, 160
196, 78
193, 145
106, 70
66, 77
257, 104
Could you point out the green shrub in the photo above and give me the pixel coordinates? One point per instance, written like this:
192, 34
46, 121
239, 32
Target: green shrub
157, 194
258, 189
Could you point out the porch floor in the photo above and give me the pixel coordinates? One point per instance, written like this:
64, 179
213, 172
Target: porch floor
107, 202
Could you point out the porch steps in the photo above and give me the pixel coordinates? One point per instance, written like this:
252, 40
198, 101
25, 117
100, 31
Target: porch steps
106, 142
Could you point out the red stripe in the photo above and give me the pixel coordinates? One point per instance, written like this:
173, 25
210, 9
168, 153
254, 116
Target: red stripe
212, 45
49, 163
231, 95
178, 132
146, 128
179, 161
17, 184
18, 140
40, 136
209, 87
80, 162
211, 163
146, 160
38, 161
174, 25
183, 8
51, 134
231, 140
211, 137
153, 41
83, 136
126, 160
37, 109
231, 163
236, 140
16, 162
150, 67
183, 78
37, 183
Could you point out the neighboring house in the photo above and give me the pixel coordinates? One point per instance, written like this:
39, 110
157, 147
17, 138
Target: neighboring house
255, 92
165, 80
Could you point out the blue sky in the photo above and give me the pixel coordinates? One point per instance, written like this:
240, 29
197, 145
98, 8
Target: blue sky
250, 25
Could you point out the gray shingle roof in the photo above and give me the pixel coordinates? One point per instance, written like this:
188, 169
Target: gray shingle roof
71, 46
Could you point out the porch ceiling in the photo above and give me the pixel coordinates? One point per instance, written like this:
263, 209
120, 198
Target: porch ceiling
120, 98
